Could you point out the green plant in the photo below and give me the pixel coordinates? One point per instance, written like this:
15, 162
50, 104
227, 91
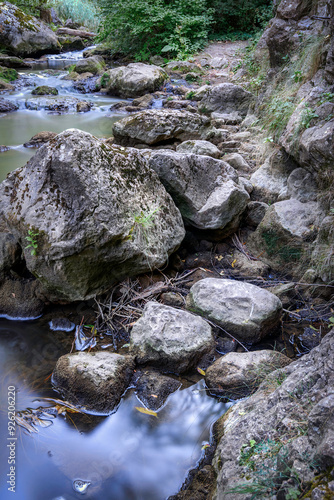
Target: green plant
307, 116
190, 94
297, 76
326, 97
139, 28
85, 12
142, 222
278, 112
105, 79
31, 239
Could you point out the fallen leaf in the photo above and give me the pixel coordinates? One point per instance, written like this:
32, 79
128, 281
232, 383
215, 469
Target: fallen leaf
205, 446
202, 372
146, 411
233, 263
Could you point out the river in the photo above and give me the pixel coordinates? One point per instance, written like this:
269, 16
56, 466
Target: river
127, 455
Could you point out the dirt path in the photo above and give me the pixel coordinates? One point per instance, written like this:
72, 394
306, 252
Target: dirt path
219, 58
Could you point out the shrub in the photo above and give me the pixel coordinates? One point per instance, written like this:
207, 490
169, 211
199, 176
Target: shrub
144, 28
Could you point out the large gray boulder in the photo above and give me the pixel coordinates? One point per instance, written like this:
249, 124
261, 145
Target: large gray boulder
246, 311
24, 35
224, 98
237, 374
205, 148
95, 382
99, 213
169, 338
158, 125
7, 106
134, 80
285, 235
205, 190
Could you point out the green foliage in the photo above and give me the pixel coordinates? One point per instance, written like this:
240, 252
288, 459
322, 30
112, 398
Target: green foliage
8, 74
326, 97
306, 117
278, 112
190, 94
240, 18
297, 76
84, 12
144, 28
31, 239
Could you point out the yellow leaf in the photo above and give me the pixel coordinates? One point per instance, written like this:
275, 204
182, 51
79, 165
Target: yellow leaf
242, 413
222, 273
233, 263
219, 257
146, 411
205, 446
202, 372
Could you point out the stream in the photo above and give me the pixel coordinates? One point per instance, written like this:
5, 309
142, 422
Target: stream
127, 455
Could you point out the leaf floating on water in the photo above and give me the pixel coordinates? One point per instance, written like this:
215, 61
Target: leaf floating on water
146, 411
202, 372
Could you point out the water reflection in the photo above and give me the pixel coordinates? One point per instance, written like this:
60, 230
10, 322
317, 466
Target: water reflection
128, 455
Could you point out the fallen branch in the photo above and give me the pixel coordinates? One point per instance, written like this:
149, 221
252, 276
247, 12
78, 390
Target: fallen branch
71, 32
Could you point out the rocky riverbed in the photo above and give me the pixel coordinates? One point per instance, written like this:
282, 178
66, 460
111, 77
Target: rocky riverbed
172, 239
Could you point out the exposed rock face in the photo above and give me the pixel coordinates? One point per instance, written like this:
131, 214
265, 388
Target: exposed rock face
135, 80
93, 64
255, 212
285, 235
205, 190
205, 148
238, 162
224, 98
169, 338
246, 311
39, 139
158, 125
84, 106
61, 104
13, 62
86, 203
7, 106
93, 381
153, 389
291, 417
21, 34
238, 374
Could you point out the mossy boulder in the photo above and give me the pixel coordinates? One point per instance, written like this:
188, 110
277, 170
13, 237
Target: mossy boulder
100, 215
24, 35
94, 65
8, 74
44, 90
135, 80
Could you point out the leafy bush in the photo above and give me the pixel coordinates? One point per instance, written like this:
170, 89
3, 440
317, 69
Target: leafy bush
242, 18
176, 28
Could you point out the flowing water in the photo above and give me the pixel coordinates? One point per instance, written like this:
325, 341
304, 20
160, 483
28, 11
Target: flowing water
128, 455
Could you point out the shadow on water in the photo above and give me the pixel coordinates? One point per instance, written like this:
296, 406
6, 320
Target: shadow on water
128, 455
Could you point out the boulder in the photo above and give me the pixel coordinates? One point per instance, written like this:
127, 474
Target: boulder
100, 214
238, 162
293, 407
13, 62
171, 339
205, 190
238, 374
246, 311
7, 106
39, 139
323, 253
45, 90
24, 35
61, 104
224, 98
69, 43
8, 74
270, 181
93, 64
159, 125
135, 80
255, 212
20, 299
61, 324
10, 251
153, 389
84, 106
302, 186
205, 148
95, 382
285, 235
316, 147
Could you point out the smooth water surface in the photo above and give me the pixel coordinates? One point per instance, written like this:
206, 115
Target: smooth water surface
128, 455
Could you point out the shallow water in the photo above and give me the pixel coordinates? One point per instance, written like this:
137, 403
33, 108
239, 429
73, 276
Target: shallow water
128, 455
18, 127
